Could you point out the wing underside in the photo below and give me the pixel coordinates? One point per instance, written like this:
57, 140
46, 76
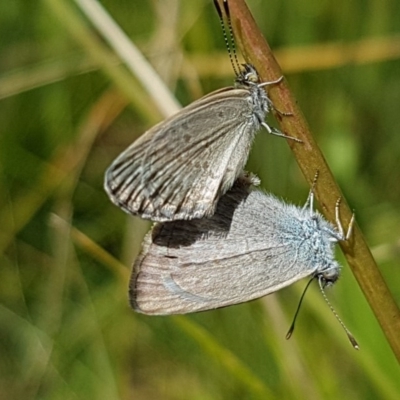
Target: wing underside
179, 169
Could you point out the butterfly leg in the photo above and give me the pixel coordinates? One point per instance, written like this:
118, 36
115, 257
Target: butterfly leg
310, 198
339, 222
276, 132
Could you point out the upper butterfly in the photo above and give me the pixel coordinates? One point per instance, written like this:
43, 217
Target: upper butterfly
179, 169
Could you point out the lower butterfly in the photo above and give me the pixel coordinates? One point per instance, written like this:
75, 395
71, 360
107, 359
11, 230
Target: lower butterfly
254, 245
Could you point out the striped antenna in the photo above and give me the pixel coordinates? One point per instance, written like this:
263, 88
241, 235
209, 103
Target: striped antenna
352, 339
230, 43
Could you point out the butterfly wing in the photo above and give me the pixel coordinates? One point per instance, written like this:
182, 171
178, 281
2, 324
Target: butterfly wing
180, 168
232, 257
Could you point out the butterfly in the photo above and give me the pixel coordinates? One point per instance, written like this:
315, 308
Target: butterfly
180, 168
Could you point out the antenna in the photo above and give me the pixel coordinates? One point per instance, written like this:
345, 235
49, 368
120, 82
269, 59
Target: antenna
232, 37
291, 329
230, 44
353, 341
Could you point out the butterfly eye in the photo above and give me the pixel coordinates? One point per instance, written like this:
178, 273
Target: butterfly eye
252, 77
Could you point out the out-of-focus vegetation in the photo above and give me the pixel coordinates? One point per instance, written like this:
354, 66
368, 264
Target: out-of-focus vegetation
66, 329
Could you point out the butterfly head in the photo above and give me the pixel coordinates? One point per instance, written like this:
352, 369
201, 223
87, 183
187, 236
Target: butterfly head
248, 76
329, 276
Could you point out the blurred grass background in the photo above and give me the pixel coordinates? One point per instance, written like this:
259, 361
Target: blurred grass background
69, 107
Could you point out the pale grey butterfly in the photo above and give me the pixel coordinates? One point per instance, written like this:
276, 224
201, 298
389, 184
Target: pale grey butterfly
178, 169
254, 245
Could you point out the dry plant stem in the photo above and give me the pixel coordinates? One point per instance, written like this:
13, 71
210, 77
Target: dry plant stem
310, 159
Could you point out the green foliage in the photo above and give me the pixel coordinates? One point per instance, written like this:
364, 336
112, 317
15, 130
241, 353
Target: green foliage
67, 331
